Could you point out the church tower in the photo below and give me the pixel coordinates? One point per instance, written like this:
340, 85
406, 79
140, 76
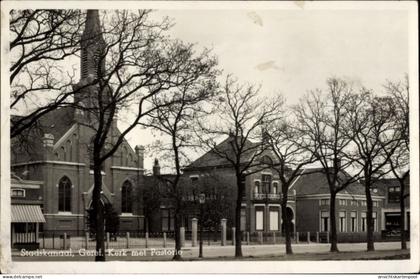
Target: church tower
92, 67
92, 47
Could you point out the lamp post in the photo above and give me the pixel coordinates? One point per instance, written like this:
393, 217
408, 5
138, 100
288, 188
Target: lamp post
202, 200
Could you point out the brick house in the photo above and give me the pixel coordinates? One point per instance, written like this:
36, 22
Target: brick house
390, 217
26, 212
159, 201
57, 153
313, 203
261, 201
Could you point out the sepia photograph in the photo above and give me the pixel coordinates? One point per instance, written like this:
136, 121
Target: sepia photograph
172, 137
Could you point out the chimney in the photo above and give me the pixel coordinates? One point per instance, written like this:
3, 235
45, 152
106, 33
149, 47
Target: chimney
140, 155
48, 143
156, 168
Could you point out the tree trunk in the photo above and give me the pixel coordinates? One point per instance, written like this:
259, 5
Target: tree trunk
286, 224
238, 239
99, 210
177, 255
369, 219
333, 226
402, 217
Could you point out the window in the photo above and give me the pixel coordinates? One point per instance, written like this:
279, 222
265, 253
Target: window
259, 218
130, 159
243, 185
18, 193
342, 202
394, 194
266, 183
274, 189
325, 215
243, 219
375, 223
167, 219
375, 203
64, 194
126, 198
194, 179
353, 221
342, 220
274, 219
364, 223
353, 202
363, 203
257, 187
324, 202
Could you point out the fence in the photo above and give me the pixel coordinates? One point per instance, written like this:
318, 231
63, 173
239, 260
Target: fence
129, 240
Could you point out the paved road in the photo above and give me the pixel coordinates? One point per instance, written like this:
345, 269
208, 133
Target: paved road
314, 250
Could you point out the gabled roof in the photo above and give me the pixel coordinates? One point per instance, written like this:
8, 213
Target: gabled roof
313, 182
217, 156
56, 122
384, 183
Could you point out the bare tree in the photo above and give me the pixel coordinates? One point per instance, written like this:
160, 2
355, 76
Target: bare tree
399, 162
175, 112
290, 156
40, 42
370, 126
241, 116
321, 122
130, 60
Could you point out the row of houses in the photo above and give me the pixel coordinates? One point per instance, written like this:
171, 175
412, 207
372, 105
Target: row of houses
54, 196
52, 183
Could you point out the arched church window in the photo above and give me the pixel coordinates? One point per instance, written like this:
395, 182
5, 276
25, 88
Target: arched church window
126, 197
70, 151
130, 159
63, 152
64, 194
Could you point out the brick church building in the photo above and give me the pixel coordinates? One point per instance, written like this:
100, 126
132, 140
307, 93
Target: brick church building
57, 153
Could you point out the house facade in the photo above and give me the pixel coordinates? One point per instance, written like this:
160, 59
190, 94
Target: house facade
261, 210
313, 207
391, 212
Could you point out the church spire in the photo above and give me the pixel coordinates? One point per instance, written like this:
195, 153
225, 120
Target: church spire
92, 47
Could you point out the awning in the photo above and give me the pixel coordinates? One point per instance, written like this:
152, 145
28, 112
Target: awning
24, 213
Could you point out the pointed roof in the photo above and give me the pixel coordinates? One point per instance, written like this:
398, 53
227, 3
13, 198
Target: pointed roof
92, 25
213, 158
312, 181
92, 46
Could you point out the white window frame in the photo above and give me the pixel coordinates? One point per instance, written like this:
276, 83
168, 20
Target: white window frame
342, 227
19, 190
321, 223
351, 222
277, 219
258, 210
375, 221
363, 222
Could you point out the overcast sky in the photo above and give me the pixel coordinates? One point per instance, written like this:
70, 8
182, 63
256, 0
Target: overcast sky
293, 51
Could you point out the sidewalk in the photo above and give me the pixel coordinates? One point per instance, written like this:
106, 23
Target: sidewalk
272, 252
